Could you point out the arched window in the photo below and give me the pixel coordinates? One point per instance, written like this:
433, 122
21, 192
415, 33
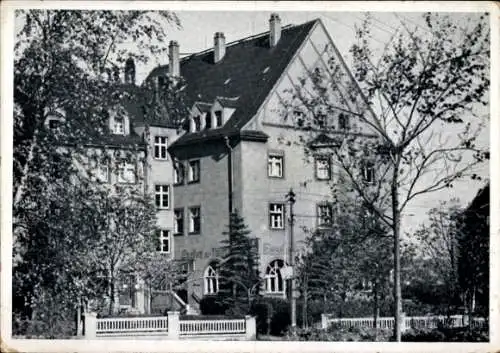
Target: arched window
274, 279
211, 279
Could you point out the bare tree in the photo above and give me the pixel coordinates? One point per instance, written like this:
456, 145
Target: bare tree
404, 125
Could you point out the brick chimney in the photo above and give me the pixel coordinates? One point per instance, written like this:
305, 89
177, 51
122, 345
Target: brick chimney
173, 59
274, 29
219, 46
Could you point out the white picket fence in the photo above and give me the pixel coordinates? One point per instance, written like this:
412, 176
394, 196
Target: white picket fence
212, 327
408, 322
131, 326
169, 327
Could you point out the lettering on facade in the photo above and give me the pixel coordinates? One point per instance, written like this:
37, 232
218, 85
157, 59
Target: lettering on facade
200, 254
272, 250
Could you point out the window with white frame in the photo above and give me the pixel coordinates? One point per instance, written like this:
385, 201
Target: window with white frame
194, 171
162, 196
211, 279
196, 123
126, 173
99, 170
119, 125
178, 173
163, 241
160, 147
368, 172
218, 118
208, 120
325, 214
179, 221
323, 167
276, 215
194, 220
274, 279
275, 165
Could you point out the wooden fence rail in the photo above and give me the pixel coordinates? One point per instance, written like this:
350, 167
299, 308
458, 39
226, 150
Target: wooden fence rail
409, 322
170, 327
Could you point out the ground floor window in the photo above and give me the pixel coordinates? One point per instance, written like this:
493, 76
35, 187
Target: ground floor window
274, 278
211, 279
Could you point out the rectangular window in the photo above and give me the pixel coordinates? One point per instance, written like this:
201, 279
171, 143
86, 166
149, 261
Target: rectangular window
194, 171
322, 165
299, 118
208, 120
194, 220
179, 221
99, 171
178, 173
276, 216
197, 123
343, 121
162, 196
119, 126
320, 120
368, 173
218, 118
126, 173
160, 147
325, 215
275, 166
163, 244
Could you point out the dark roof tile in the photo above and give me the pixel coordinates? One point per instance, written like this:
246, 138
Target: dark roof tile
252, 68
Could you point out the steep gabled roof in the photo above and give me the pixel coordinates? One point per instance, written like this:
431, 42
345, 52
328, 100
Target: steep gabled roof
242, 79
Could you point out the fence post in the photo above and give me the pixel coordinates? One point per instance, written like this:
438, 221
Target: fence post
324, 321
250, 327
405, 325
174, 326
90, 325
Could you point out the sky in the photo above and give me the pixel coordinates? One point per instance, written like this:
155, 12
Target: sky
199, 27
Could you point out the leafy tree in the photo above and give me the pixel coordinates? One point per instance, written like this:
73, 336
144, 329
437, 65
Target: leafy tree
67, 67
474, 254
239, 269
439, 248
410, 120
347, 259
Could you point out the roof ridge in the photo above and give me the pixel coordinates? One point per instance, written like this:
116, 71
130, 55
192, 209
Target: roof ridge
238, 41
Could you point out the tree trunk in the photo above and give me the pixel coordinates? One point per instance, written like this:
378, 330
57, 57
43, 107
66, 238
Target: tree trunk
376, 308
397, 263
304, 308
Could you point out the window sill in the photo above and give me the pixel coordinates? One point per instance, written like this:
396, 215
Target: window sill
194, 182
179, 184
277, 229
162, 208
160, 159
323, 179
275, 177
194, 233
163, 252
178, 234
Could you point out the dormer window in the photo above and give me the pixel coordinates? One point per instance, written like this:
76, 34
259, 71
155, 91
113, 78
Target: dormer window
196, 123
54, 124
208, 120
218, 118
119, 125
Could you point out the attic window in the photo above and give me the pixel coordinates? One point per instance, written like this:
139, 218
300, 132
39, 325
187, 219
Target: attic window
208, 120
54, 124
266, 70
196, 123
218, 118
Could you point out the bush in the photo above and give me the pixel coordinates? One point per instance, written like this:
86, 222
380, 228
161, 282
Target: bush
338, 334
455, 334
211, 305
272, 315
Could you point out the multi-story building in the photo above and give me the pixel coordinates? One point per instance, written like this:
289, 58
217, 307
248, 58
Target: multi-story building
236, 154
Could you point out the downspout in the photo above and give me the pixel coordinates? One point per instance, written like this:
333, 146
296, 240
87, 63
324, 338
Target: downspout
229, 175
